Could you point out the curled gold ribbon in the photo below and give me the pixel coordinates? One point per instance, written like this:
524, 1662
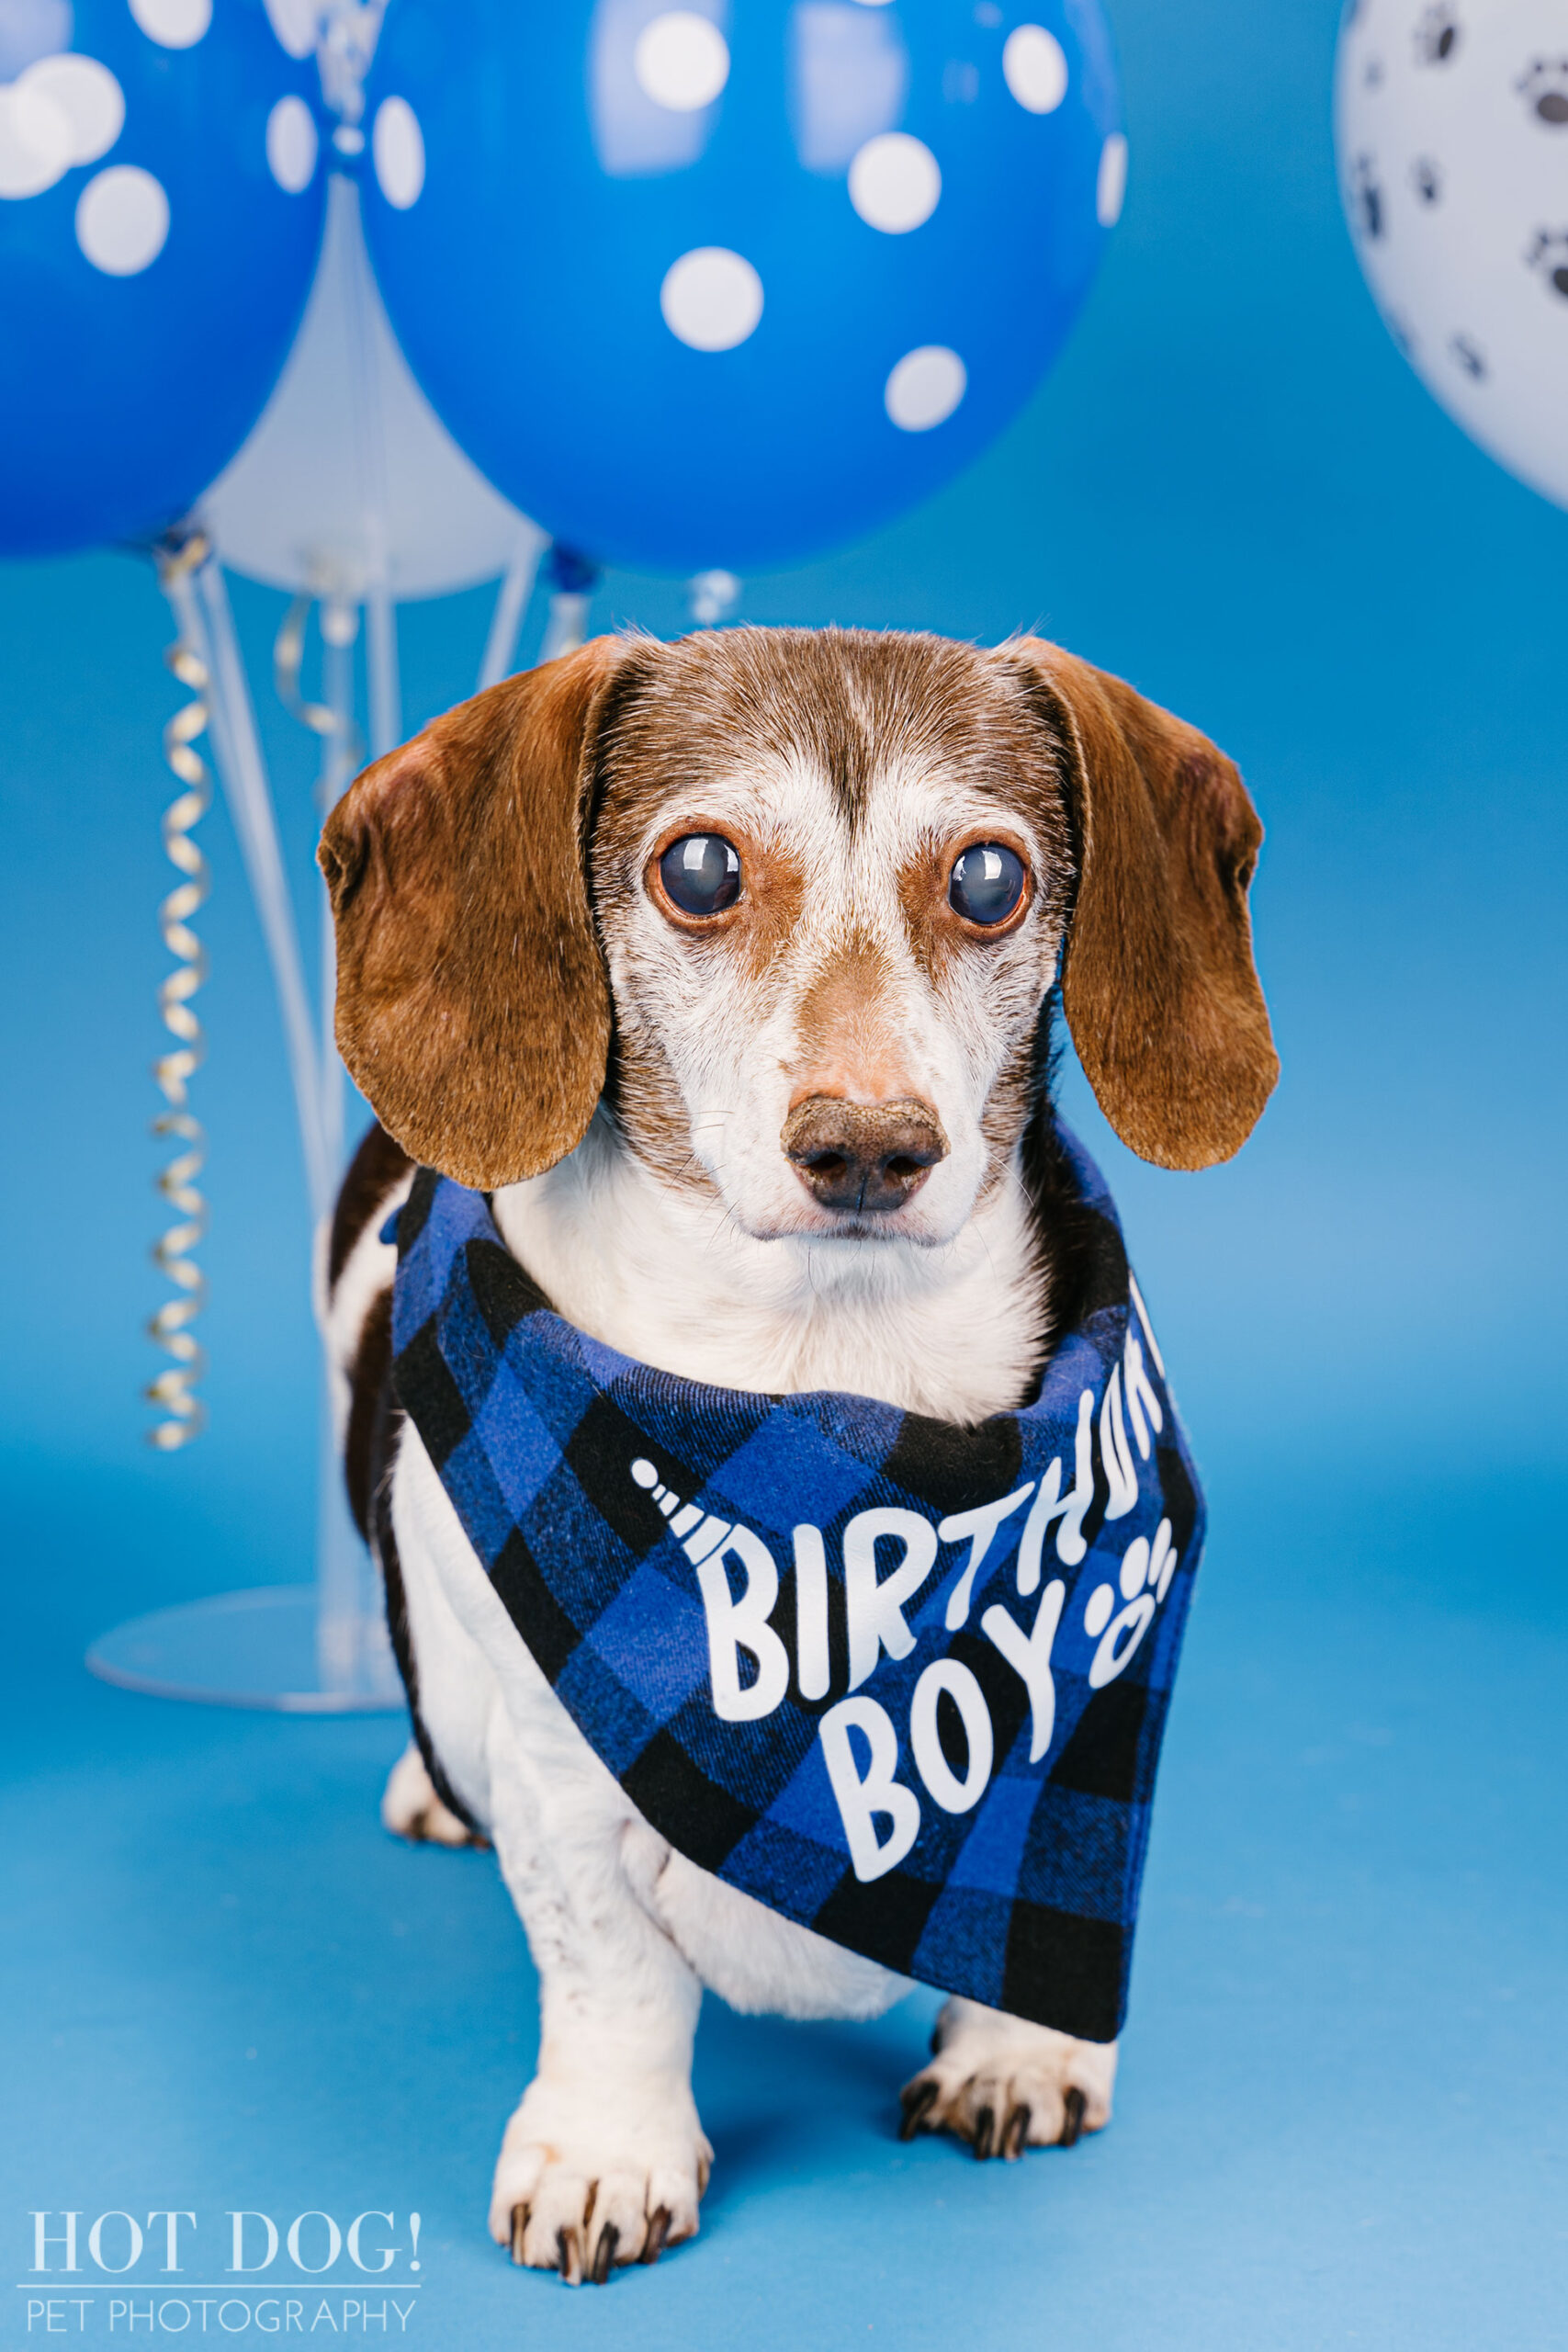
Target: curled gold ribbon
287, 661
173, 1388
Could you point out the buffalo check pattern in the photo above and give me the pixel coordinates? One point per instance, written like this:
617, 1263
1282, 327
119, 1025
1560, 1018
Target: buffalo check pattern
1026, 1901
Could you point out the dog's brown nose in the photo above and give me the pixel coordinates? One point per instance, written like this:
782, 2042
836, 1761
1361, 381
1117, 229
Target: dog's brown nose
862, 1156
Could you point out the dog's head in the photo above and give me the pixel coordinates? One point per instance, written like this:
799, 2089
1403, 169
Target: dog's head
790, 902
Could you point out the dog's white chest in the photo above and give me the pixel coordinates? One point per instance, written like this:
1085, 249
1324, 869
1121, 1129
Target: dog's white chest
667, 1278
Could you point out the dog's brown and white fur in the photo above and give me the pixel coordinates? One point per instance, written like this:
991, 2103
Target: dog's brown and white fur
528, 1011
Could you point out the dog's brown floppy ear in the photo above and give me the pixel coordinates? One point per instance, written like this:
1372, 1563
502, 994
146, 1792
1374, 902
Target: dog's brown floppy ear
1159, 986
473, 1007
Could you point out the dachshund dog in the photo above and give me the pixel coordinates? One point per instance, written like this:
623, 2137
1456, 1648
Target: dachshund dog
727, 968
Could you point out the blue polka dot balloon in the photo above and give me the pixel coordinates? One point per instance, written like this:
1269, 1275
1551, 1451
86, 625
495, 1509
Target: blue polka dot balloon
722, 285
161, 207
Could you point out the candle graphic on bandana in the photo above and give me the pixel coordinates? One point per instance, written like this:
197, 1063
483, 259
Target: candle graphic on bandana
699, 1534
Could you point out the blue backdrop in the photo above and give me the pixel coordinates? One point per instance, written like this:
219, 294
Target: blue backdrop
1341, 2116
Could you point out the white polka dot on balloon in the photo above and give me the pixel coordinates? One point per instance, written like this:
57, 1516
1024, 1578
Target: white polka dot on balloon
1034, 67
291, 144
1111, 183
711, 298
172, 24
295, 24
122, 220
894, 183
35, 140
680, 61
397, 148
925, 388
87, 95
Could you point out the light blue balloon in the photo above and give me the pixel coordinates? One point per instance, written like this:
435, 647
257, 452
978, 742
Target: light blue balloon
712, 285
161, 204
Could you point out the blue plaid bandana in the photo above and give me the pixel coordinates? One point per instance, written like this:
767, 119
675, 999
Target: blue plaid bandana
903, 1682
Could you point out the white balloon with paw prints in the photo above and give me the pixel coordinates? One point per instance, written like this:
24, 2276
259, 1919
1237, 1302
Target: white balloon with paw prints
1451, 127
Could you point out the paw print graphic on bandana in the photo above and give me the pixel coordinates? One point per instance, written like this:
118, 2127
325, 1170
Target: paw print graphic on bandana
1144, 1579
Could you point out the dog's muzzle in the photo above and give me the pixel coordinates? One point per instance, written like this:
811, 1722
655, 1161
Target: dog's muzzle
864, 1157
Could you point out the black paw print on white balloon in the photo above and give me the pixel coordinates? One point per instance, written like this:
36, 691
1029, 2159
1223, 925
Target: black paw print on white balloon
1544, 90
1366, 197
1550, 255
1426, 179
1436, 36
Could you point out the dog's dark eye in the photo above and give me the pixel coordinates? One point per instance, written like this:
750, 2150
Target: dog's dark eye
701, 874
987, 883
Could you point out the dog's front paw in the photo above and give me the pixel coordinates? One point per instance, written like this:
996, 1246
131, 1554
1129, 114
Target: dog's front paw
1004, 2084
589, 2181
411, 1808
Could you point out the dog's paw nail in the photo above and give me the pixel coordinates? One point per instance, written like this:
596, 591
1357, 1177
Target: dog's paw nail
936, 2038
604, 2253
519, 2226
1015, 2132
985, 2128
917, 2103
705, 2173
658, 2231
569, 2247
1072, 2120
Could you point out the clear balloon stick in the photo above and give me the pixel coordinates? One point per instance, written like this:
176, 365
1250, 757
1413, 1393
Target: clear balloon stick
200, 604
566, 626
511, 604
365, 395
341, 749
383, 691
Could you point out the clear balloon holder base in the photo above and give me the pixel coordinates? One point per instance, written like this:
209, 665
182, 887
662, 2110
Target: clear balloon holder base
293, 1649
269, 1648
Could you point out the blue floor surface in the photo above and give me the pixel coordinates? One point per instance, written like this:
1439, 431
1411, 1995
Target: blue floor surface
1342, 2110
